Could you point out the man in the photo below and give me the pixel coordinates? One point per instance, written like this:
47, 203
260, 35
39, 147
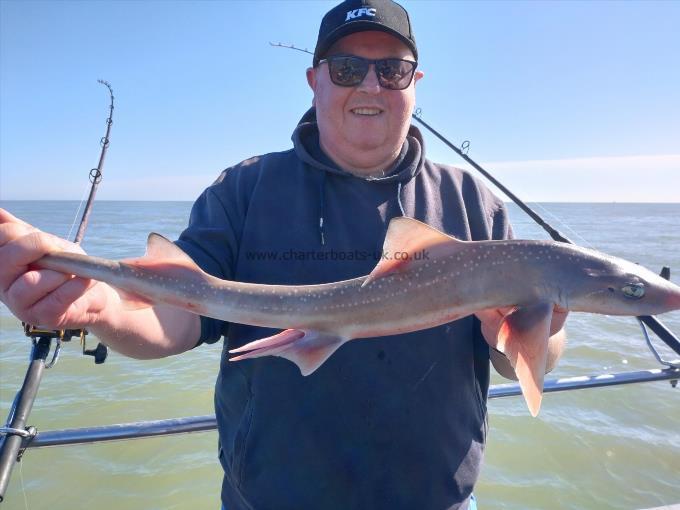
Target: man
393, 422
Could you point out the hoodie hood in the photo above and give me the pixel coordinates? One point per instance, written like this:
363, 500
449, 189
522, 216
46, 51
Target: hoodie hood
408, 164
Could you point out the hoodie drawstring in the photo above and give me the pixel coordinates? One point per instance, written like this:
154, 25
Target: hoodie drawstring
322, 196
401, 207
322, 206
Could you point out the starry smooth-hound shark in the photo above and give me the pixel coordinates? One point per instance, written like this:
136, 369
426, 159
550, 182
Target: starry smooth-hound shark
449, 280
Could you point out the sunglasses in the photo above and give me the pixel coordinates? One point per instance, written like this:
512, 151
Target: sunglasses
350, 71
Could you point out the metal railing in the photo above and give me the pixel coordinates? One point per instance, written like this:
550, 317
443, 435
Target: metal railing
192, 424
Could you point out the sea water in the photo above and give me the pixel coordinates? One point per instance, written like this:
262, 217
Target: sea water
606, 448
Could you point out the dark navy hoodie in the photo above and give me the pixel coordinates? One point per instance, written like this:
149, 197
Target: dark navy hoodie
396, 422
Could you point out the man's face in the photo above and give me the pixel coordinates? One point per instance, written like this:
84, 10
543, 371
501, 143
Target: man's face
362, 128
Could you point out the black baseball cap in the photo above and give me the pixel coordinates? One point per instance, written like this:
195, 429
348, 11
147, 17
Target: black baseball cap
362, 15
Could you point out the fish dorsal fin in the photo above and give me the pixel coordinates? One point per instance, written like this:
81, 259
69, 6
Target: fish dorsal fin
161, 255
162, 252
409, 242
159, 247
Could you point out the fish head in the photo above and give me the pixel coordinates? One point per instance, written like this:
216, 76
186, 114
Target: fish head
619, 287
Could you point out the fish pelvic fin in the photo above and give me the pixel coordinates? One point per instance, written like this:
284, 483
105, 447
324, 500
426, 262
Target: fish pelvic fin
407, 243
523, 338
308, 349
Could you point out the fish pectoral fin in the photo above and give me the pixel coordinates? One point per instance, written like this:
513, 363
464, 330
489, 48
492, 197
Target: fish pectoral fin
308, 349
523, 338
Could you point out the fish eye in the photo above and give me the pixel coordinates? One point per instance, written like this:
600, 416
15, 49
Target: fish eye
633, 290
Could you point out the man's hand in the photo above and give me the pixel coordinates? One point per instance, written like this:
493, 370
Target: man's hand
39, 296
491, 323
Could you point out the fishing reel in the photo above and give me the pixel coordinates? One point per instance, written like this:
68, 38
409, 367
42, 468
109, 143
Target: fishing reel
99, 353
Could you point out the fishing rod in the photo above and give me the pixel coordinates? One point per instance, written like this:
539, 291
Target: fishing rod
96, 173
15, 436
554, 233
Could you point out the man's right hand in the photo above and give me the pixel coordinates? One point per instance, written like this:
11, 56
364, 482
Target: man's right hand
43, 297
53, 300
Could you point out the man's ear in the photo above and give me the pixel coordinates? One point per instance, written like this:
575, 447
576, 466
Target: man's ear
418, 76
311, 78
311, 81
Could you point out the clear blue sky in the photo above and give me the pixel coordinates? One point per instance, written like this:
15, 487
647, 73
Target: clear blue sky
566, 100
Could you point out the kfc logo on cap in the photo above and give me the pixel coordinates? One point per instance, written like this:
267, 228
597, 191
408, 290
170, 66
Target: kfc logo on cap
356, 13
